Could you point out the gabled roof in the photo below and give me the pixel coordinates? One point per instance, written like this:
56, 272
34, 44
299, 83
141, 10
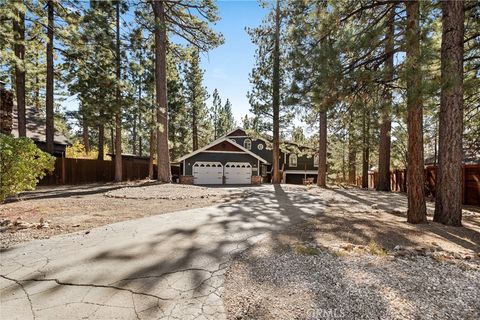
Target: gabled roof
225, 146
237, 132
36, 127
219, 140
240, 132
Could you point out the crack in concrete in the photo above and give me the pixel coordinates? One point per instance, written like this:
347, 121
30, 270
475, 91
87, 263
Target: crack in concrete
86, 285
164, 274
135, 308
25, 291
194, 296
83, 302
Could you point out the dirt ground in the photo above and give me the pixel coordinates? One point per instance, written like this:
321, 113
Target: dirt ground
359, 259
360, 216
50, 211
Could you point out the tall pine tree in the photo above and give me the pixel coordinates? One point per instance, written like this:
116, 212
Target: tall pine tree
448, 196
196, 97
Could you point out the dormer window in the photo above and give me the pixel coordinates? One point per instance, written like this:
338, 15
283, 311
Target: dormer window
292, 160
247, 144
315, 160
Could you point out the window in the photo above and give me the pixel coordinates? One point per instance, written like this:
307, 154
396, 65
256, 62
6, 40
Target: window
315, 160
292, 160
260, 146
247, 144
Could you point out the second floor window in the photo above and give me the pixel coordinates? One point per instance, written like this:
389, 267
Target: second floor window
292, 160
315, 160
247, 144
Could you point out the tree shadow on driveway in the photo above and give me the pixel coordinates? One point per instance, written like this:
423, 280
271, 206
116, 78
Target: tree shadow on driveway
65, 191
167, 265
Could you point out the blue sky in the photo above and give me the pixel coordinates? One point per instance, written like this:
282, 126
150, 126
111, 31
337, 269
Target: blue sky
227, 67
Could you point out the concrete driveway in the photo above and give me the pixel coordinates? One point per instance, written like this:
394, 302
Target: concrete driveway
165, 266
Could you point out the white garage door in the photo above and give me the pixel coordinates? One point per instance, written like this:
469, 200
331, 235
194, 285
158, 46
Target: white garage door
207, 173
238, 173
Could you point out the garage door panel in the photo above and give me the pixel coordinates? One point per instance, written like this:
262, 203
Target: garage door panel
207, 173
238, 173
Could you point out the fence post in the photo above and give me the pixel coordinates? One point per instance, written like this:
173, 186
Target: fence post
463, 185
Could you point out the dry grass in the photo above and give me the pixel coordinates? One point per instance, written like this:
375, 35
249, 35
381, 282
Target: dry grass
307, 251
375, 249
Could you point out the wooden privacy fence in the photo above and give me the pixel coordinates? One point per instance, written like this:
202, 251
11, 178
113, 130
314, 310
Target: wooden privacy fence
78, 171
398, 182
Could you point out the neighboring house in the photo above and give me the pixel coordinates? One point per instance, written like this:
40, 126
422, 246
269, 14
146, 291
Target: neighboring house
36, 132
238, 158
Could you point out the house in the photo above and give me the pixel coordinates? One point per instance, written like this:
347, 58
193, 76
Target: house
36, 132
239, 158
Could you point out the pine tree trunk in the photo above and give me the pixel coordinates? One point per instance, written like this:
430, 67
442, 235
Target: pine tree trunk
435, 144
137, 115
322, 150
163, 157
152, 140
134, 134
49, 129
36, 99
118, 114
415, 163
365, 148
352, 165
215, 123
140, 111
112, 138
383, 183
85, 135
352, 154
140, 146
344, 165
152, 153
19, 49
194, 127
276, 177
101, 140
448, 196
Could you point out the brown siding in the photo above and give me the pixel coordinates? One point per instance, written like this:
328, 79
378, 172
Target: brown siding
224, 146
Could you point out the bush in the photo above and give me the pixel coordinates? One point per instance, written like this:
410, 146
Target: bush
22, 165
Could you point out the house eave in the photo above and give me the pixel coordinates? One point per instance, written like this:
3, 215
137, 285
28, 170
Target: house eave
219, 140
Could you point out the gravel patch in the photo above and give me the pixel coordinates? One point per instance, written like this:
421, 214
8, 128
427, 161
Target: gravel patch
272, 283
167, 192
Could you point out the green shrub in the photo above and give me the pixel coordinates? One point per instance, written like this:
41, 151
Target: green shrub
22, 165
